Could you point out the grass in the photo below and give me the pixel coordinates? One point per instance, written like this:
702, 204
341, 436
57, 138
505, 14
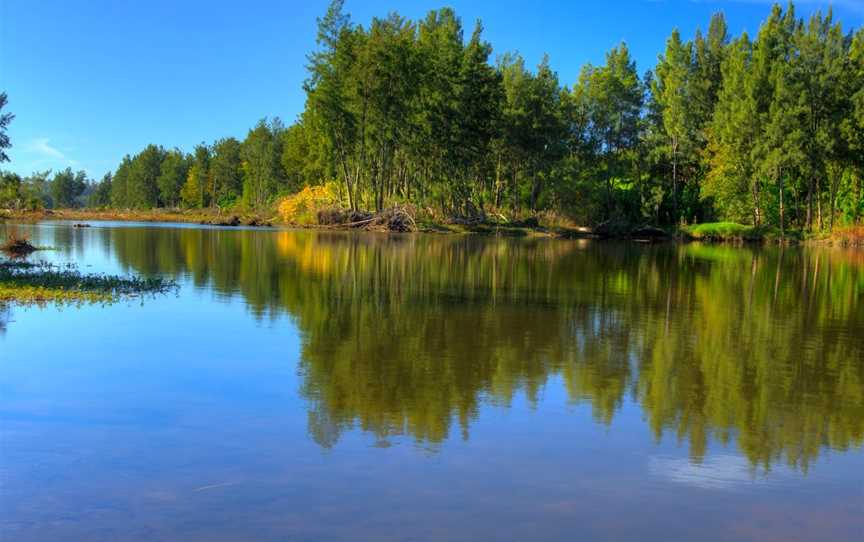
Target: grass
39, 283
722, 231
734, 232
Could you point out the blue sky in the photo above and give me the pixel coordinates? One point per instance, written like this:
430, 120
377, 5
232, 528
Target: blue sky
90, 81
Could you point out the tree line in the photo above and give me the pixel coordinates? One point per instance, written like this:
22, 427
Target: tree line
767, 130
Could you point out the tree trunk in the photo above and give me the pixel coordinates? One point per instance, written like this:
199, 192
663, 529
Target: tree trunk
535, 191
675, 179
757, 208
498, 183
782, 208
819, 209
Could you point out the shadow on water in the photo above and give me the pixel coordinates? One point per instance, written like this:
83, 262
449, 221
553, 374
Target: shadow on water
411, 335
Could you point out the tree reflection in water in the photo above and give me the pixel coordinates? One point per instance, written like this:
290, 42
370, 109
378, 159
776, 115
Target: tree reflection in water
411, 335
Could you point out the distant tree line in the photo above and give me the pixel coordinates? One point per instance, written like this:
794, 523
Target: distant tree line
767, 130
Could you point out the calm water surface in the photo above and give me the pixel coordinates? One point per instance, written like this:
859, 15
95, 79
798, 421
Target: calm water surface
317, 386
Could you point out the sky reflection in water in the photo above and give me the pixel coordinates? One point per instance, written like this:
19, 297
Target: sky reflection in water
332, 386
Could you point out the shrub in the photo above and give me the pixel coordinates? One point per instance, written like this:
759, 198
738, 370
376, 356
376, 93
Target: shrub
302, 208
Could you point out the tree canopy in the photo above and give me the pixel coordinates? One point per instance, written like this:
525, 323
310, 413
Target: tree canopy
767, 130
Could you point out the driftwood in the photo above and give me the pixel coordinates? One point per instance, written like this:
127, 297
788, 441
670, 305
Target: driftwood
395, 219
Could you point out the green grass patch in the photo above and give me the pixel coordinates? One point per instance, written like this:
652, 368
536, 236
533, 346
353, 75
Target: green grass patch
40, 283
721, 231
732, 231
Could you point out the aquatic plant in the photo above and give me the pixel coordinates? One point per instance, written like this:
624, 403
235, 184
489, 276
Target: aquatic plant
38, 283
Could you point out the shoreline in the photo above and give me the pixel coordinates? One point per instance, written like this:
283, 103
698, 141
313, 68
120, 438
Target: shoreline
647, 234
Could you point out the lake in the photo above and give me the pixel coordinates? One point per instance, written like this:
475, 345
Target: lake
306, 385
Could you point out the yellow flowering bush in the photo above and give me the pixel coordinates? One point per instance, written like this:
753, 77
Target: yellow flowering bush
302, 207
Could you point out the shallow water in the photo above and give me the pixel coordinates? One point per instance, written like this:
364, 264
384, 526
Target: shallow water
336, 386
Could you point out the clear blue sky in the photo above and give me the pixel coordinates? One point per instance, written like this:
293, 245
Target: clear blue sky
90, 81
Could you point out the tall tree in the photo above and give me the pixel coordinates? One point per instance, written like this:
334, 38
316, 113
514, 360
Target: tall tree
142, 190
172, 176
261, 167
195, 189
226, 171
5, 120
733, 133
673, 92
119, 192
66, 187
101, 195
614, 95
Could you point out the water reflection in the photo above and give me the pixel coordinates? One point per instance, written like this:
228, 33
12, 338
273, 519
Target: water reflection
5, 316
409, 336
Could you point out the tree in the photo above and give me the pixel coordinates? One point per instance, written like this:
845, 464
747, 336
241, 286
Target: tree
101, 195
674, 97
198, 178
142, 189
10, 190
733, 134
5, 120
192, 193
261, 168
66, 187
226, 170
767, 131
119, 193
172, 177
613, 95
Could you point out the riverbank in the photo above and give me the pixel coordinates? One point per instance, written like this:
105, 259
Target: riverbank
203, 217
716, 232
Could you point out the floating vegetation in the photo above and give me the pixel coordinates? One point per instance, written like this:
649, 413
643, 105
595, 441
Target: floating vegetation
18, 247
39, 283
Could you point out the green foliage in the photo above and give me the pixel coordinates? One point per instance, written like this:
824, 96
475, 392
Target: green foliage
720, 231
5, 120
768, 131
172, 176
101, 195
192, 193
226, 172
261, 153
66, 187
